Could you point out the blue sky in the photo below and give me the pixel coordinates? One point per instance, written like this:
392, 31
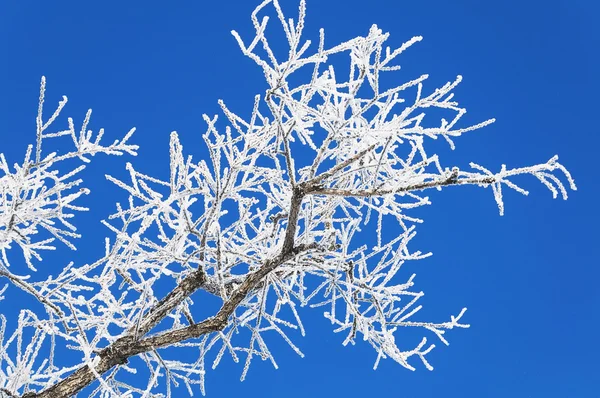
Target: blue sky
528, 278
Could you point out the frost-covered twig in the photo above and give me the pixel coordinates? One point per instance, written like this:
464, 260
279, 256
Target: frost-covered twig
39, 195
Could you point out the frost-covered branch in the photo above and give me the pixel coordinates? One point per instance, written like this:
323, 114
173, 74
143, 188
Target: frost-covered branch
39, 194
277, 217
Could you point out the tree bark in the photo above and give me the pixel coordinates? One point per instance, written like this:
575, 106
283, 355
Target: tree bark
131, 343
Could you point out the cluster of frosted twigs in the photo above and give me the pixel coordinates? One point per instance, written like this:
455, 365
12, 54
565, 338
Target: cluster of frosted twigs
274, 219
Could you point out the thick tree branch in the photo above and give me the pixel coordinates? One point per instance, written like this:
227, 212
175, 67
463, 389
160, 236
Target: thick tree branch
130, 343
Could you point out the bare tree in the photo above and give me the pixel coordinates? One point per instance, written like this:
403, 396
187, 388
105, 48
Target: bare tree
273, 221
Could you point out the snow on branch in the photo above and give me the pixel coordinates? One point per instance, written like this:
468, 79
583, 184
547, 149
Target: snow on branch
276, 218
38, 195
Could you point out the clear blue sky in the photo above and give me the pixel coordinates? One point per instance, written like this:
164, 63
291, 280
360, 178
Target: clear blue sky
528, 278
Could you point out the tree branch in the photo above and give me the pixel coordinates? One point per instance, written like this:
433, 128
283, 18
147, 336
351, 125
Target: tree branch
129, 344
